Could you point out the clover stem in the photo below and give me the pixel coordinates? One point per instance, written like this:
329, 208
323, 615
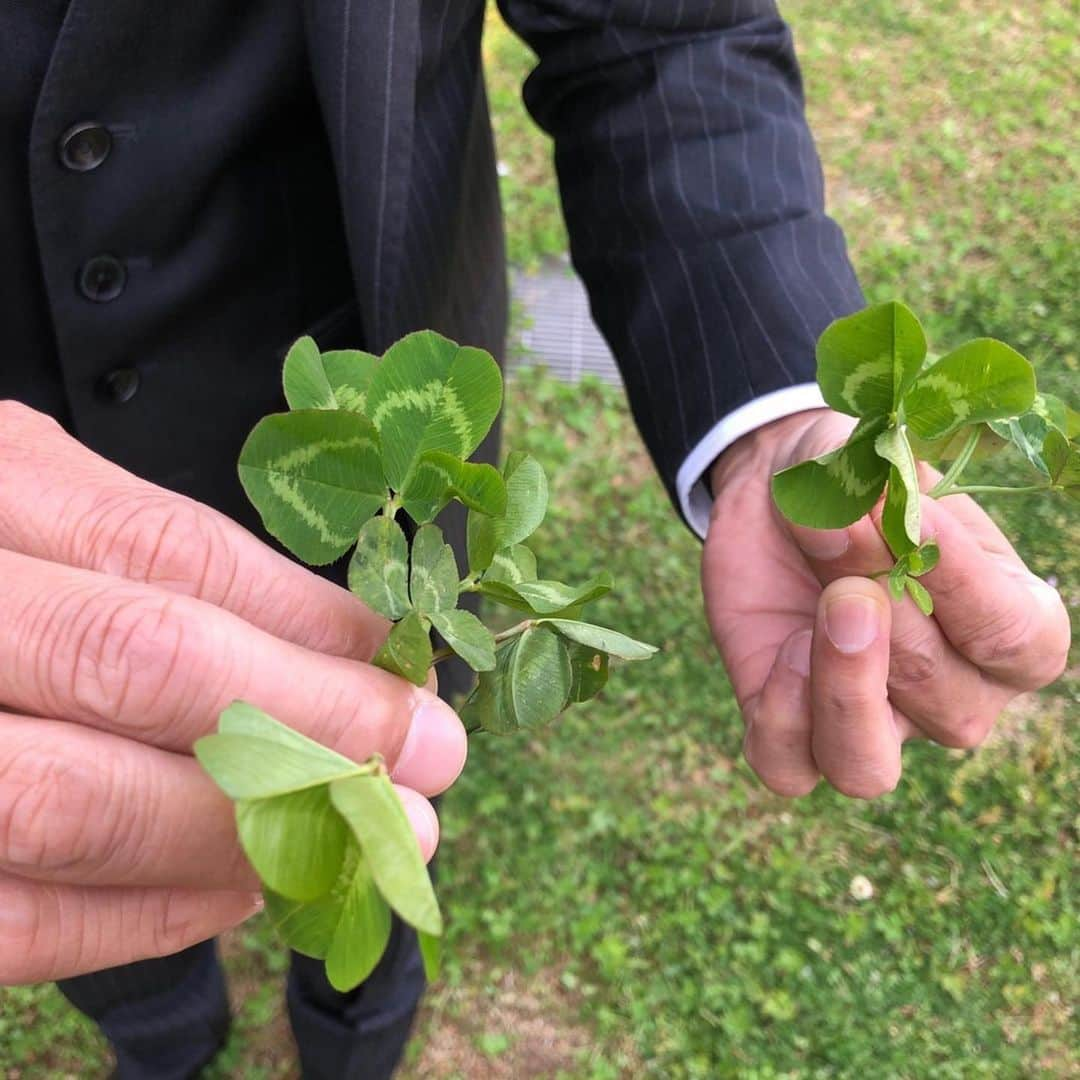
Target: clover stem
942, 487
993, 489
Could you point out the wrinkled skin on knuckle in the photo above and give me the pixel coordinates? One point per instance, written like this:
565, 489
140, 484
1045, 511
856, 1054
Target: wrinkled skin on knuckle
965, 731
161, 539
1009, 641
914, 662
49, 811
127, 652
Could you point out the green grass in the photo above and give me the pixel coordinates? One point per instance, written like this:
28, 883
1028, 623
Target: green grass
624, 899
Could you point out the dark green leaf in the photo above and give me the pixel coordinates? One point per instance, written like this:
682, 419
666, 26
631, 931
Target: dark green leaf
407, 651
836, 489
295, 842
480, 541
378, 570
374, 812
467, 636
526, 500
981, 380
315, 477
540, 677
440, 477
304, 380
433, 577
490, 706
599, 637
546, 597
429, 393
866, 361
588, 671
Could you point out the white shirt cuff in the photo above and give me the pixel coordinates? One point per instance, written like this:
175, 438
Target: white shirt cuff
694, 498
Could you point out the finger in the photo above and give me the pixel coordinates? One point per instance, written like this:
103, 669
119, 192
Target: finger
946, 696
855, 739
50, 932
159, 668
779, 725
89, 808
1004, 619
422, 817
63, 503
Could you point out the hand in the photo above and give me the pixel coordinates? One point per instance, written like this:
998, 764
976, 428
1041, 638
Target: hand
129, 617
832, 677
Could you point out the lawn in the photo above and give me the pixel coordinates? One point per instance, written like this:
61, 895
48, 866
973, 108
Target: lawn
624, 899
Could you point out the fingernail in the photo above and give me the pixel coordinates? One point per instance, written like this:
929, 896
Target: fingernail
434, 745
852, 622
1046, 596
797, 653
822, 544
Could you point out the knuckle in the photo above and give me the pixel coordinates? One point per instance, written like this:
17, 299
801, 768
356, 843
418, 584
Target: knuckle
847, 705
49, 809
126, 652
162, 539
965, 732
15, 418
870, 782
914, 662
1007, 639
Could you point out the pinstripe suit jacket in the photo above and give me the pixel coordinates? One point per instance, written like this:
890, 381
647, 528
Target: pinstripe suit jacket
274, 161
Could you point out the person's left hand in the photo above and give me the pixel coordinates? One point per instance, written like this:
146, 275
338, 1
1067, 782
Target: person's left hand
831, 676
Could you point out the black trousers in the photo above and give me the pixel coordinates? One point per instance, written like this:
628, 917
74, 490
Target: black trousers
168, 1017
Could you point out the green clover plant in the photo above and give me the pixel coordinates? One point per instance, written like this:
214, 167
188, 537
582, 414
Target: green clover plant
980, 397
370, 453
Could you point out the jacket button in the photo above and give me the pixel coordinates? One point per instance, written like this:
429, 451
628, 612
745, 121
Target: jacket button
120, 384
102, 278
84, 147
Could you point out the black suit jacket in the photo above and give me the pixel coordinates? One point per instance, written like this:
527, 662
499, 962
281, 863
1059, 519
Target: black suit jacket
281, 166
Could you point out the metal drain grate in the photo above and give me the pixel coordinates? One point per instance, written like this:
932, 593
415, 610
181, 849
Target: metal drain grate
558, 328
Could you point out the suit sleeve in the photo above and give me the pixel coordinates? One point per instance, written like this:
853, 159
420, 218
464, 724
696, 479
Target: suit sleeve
694, 200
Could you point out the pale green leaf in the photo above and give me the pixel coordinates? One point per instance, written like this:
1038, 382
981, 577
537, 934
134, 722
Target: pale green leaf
897, 577
374, 812
362, 933
900, 519
866, 361
433, 577
429, 393
256, 757
920, 595
982, 380
513, 565
599, 637
315, 477
923, 559
467, 636
296, 842
407, 651
431, 950
378, 570
349, 927
837, 488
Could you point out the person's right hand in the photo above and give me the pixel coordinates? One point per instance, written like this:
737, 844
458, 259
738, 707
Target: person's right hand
129, 618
